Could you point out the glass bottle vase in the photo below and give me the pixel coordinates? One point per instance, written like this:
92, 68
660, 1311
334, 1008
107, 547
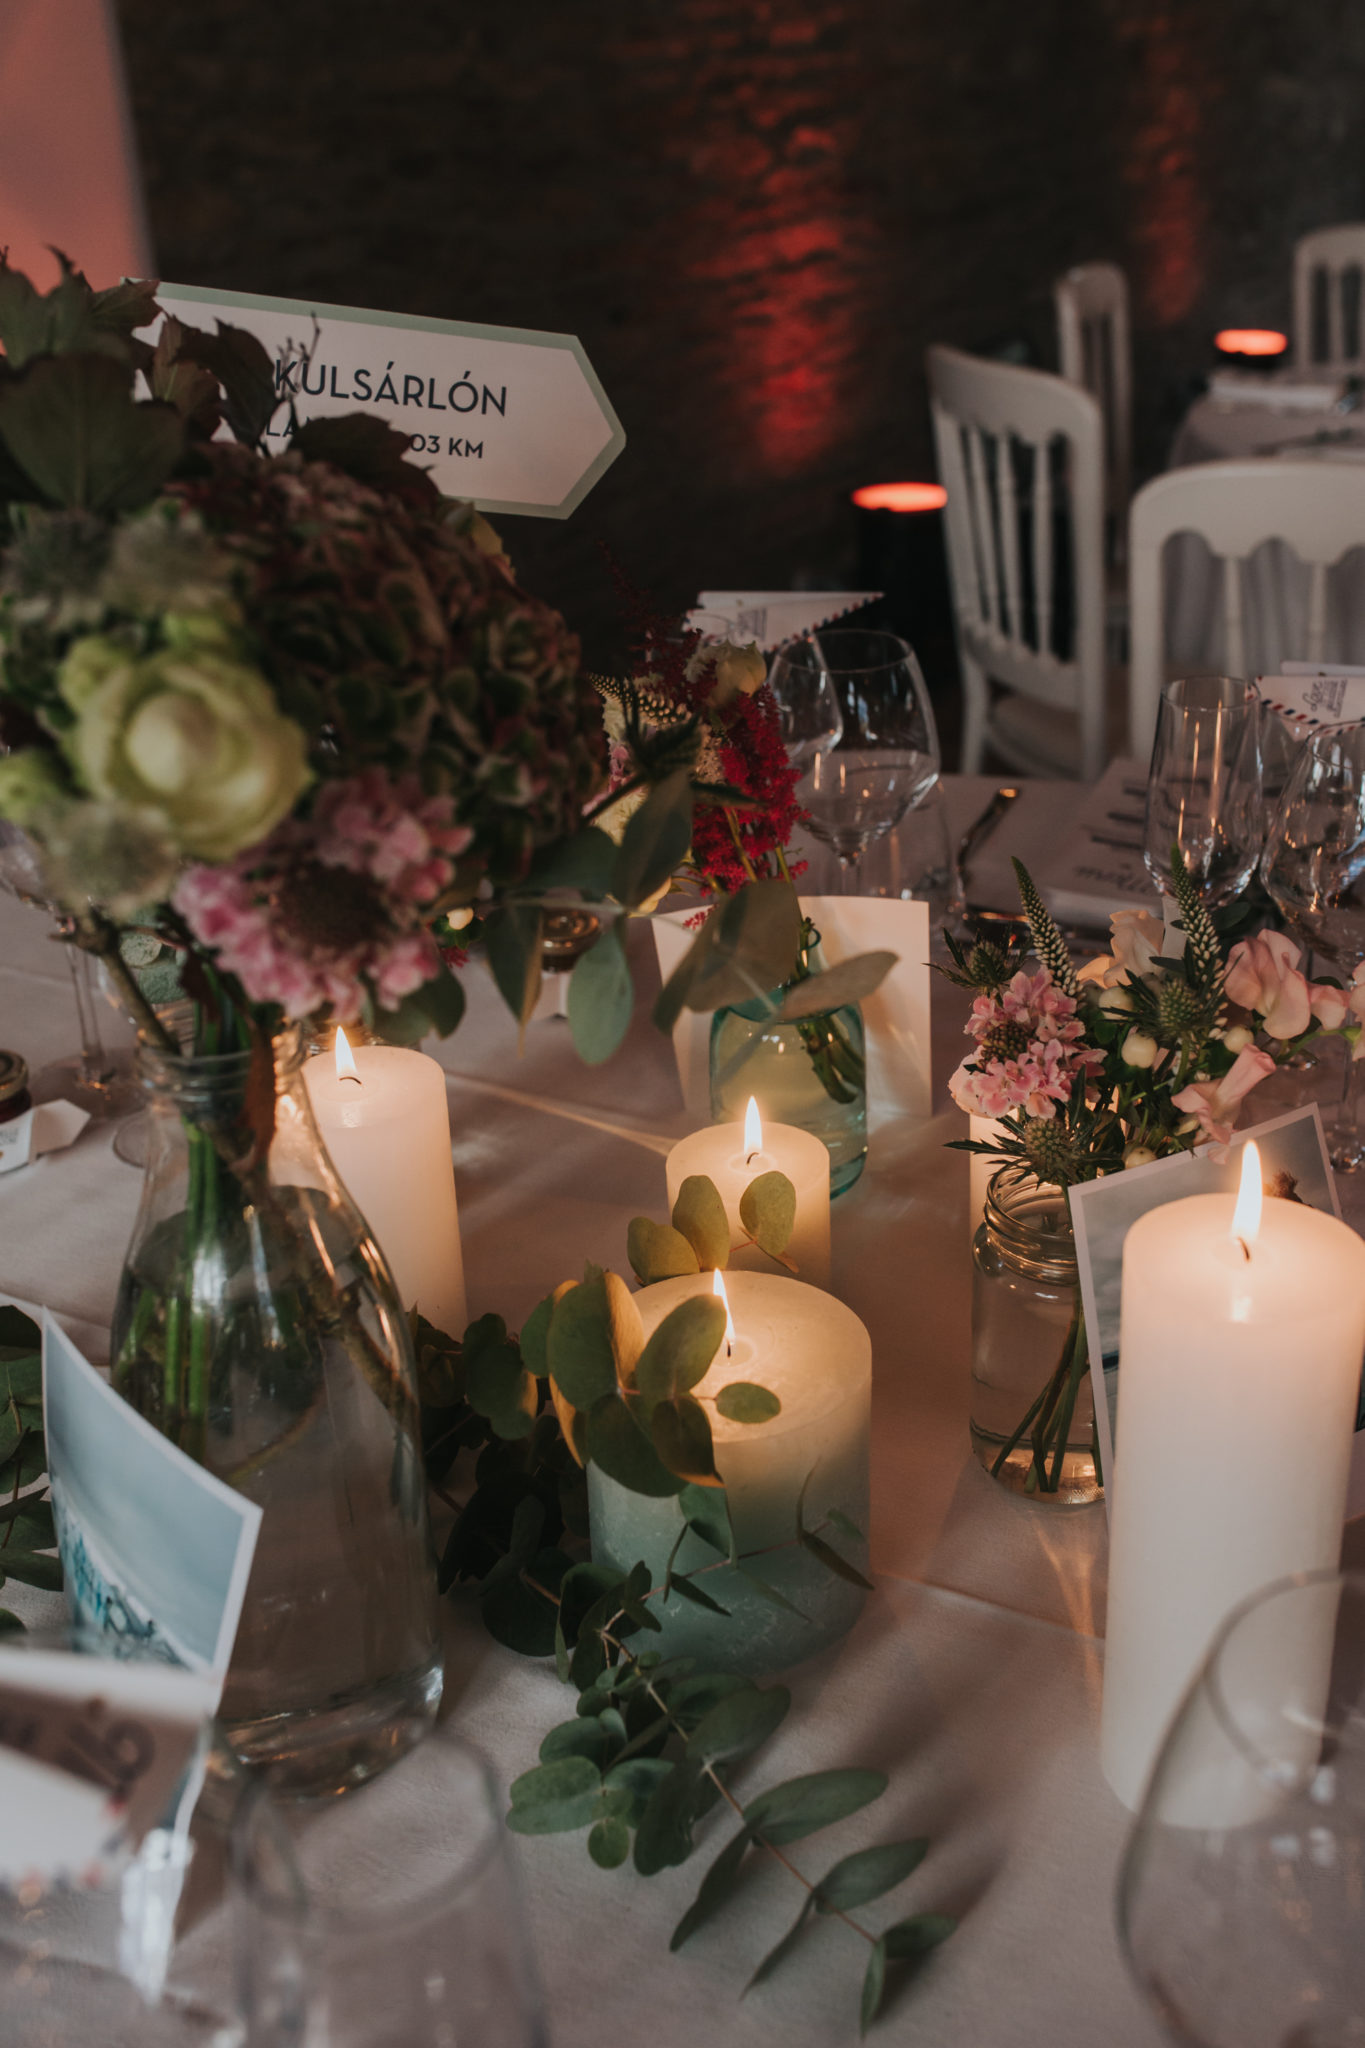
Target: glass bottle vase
1032, 1413
811, 1072
257, 1326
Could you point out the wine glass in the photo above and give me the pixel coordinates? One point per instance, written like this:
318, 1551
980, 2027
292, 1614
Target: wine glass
859, 723
1314, 868
1204, 786
1241, 1903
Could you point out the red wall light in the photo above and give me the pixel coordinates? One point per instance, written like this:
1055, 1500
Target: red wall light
1251, 341
900, 498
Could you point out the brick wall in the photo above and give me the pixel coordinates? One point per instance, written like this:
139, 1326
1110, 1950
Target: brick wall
755, 215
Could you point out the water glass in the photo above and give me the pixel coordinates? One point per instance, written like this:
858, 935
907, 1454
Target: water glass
1242, 1894
1204, 787
388, 1919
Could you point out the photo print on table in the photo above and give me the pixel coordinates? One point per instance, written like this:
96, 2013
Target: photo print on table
1104, 1211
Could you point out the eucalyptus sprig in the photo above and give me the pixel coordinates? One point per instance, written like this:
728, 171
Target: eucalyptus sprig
697, 1237
27, 1534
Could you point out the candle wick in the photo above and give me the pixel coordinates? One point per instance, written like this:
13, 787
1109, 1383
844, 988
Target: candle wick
749, 1158
729, 1348
353, 1077
1246, 1249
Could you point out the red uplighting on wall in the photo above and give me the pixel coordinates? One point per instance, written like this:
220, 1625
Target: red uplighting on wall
1251, 341
900, 497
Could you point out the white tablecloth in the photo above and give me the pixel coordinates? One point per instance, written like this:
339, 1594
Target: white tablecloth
1275, 586
974, 1674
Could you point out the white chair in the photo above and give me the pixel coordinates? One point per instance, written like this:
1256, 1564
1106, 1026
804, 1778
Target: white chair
1329, 298
1317, 509
1009, 441
1094, 350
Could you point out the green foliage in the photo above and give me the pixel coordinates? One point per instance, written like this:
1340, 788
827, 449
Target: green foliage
601, 997
767, 1209
512, 936
681, 1349
743, 1401
745, 949
27, 1535
72, 425
657, 1251
849, 981
698, 1238
699, 1213
655, 840
1048, 942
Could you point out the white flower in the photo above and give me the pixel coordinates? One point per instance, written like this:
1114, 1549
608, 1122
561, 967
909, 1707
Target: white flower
1138, 1155
1236, 1036
1139, 1049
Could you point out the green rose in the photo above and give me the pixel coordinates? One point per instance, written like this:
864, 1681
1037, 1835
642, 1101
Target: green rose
190, 737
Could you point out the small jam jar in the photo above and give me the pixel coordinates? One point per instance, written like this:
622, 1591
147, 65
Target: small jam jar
14, 1095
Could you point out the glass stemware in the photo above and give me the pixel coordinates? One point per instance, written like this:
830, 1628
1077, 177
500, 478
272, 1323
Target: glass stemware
858, 722
1241, 1901
1204, 786
1314, 869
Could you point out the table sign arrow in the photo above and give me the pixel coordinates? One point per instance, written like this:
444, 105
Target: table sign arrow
514, 420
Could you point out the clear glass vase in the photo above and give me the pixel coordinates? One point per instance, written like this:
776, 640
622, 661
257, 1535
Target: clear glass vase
257, 1326
811, 1072
1032, 1415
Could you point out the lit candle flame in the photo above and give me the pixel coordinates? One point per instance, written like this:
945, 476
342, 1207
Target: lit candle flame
1246, 1217
345, 1058
718, 1289
753, 1135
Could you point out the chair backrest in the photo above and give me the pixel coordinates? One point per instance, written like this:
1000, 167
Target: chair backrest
1009, 443
1329, 298
1316, 508
1094, 350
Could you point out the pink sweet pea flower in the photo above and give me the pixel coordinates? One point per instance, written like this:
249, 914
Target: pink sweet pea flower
1216, 1103
1136, 937
1330, 1006
1263, 975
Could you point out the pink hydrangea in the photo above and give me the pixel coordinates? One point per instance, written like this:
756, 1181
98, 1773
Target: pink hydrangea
1028, 1052
330, 909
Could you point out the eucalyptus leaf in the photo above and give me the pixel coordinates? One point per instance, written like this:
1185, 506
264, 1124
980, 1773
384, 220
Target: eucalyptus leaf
581, 1590
746, 948
578, 1349
664, 1836
601, 998
849, 981
498, 1387
708, 1512
699, 1213
21, 1379
616, 1444
910, 1939
655, 840
609, 1844
743, 1401
715, 1889
681, 1435
9, 1622
680, 1350
33, 1569
692, 1697
831, 1560
657, 1252
874, 1985
736, 1726
627, 1328
518, 1616
18, 1332
867, 1873
534, 1333
845, 1525
583, 862
638, 1775
783, 1949
576, 1738
772, 1594
801, 1806
512, 937
696, 1596
555, 1797
767, 1209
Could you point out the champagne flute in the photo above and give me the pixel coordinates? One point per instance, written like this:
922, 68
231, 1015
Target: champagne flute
858, 721
1240, 1906
1314, 869
1204, 786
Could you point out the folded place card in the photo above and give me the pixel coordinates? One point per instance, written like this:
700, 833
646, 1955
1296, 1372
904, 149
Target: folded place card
513, 420
772, 617
47, 1127
1309, 697
1293, 393
156, 1551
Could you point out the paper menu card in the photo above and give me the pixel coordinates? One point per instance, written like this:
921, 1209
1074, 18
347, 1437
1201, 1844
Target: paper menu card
514, 420
1097, 866
772, 617
155, 1549
1308, 697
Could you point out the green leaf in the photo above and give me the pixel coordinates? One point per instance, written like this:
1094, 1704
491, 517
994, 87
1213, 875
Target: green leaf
583, 862
715, 1889
74, 428
866, 1874
32, 1525
657, 1252
831, 1560
19, 1332
847, 982
743, 1401
874, 1984
519, 1617
512, 941
556, 1797
694, 1595
708, 1512
910, 1939
767, 1209
782, 1951
655, 840
681, 1435
664, 1836
534, 1335
9, 1622
609, 1844
801, 1806
845, 1525
578, 1350
680, 1350
499, 1388
746, 949
699, 1213
616, 1444
32, 1569
601, 998
691, 1698
242, 366
361, 445
583, 1589
577, 1738
736, 1726
21, 1379
770, 1593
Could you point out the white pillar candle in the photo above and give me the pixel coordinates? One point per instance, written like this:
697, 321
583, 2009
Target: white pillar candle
388, 1133
1240, 1354
732, 1158
815, 1355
